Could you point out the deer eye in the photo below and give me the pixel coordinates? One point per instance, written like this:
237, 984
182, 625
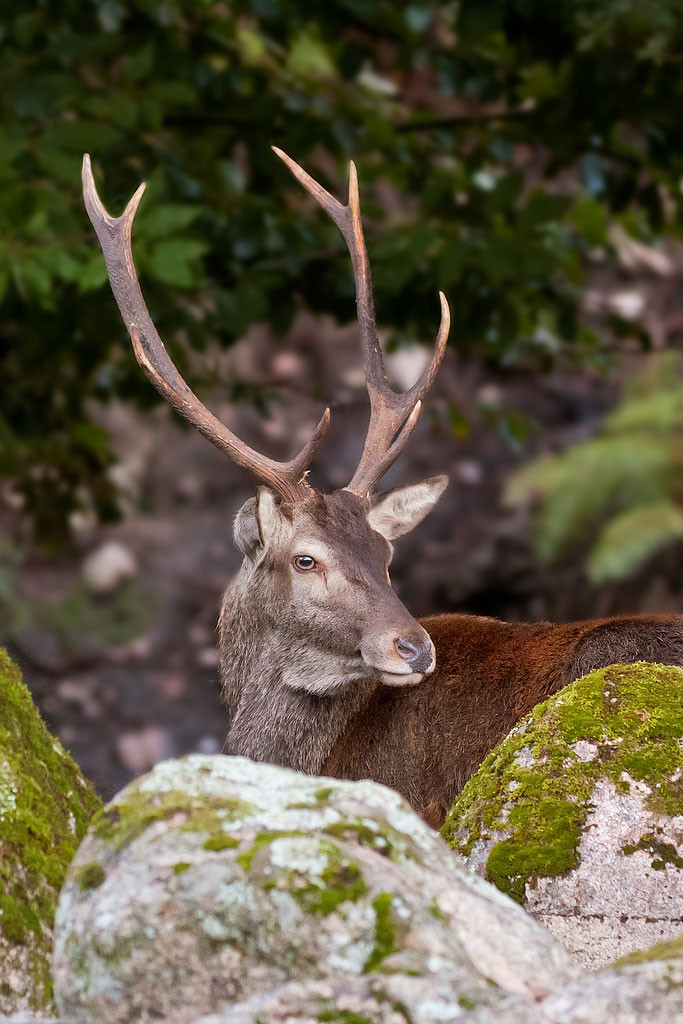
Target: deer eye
305, 563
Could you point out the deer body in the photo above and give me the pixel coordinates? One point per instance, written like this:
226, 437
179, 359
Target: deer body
323, 668
427, 741
296, 696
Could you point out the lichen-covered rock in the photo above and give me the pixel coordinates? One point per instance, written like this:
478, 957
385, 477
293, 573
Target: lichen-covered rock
45, 807
647, 986
29, 1018
578, 813
377, 999
650, 988
214, 879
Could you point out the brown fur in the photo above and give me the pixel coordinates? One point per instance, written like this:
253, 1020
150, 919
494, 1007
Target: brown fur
426, 741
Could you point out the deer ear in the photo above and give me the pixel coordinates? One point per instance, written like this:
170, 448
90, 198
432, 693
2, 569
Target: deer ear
256, 522
399, 511
268, 515
245, 529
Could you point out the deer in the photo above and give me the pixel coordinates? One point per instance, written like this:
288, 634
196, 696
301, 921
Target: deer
323, 669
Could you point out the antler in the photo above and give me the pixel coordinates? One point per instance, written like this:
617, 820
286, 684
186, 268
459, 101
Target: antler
392, 415
288, 479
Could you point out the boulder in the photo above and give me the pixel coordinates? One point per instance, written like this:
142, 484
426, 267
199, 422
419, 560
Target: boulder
377, 999
578, 813
213, 880
45, 807
645, 986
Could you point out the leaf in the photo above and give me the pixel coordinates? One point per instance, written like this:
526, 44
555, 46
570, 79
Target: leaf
91, 436
587, 482
34, 280
631, 539
543, 206
84, 136
590, 218
92, 274
658, 413
58, 261
180, 93
139, 64
174, 261
167, 219
308, 55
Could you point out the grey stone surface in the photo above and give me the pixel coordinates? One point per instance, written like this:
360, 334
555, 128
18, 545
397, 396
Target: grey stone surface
613, 902
650, 992
378, 999
214, 879
28, 1018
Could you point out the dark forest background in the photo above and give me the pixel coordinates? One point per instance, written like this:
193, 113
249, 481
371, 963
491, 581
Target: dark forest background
524, 157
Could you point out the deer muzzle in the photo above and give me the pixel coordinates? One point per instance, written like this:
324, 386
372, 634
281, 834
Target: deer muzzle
400, 660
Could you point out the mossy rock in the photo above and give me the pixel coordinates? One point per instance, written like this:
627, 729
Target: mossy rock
578, 813
45, 807
227, 878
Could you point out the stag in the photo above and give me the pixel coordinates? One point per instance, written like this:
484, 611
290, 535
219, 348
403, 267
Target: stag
320, 661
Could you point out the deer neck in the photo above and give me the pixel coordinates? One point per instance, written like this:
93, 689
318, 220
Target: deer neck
269, 680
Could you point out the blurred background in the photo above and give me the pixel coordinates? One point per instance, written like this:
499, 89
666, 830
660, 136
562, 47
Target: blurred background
525, 157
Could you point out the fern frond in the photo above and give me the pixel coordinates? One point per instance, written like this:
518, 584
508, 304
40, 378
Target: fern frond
629, 540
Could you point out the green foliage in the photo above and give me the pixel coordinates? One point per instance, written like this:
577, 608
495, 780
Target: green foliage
620, 490
189, 96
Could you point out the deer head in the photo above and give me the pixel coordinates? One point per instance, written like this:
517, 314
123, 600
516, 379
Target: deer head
314, 596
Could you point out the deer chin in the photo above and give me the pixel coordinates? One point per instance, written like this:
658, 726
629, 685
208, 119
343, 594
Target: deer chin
401, 678
401, 675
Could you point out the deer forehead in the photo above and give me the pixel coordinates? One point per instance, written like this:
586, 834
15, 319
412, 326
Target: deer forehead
335, 529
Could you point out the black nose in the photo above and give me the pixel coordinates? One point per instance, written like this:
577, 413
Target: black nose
418, 655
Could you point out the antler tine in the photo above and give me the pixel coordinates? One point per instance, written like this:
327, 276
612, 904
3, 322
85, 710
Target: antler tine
114, 233
391, 413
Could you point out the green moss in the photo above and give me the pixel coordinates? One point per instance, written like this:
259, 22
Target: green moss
661, 853
220, 842
343, 1017
339, 880
181, 867
436, 912
89, 876
466, 1003
122, 822
322, 795
671, 949
263, 839
45, 808
631, 713
380, 836
385, 932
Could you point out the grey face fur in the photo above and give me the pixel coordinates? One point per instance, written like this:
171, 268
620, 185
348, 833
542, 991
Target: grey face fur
312, 612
